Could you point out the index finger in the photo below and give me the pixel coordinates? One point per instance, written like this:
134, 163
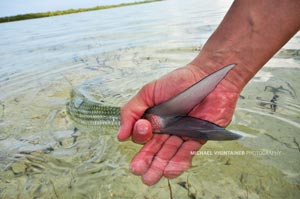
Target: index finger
132, 112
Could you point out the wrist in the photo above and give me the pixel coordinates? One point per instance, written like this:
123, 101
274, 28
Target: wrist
248, 38
208, 62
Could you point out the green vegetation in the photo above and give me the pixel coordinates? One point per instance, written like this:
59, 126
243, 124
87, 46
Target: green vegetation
65, 12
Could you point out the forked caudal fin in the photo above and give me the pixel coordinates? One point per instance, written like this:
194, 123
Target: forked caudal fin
185, 101
200, 129
170, 117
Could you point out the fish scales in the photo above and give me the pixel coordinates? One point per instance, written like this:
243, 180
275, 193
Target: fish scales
92, 114
169, 117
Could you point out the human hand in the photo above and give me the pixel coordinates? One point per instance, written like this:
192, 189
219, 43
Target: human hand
166, 155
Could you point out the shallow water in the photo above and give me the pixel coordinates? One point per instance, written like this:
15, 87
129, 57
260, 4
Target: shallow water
43, 155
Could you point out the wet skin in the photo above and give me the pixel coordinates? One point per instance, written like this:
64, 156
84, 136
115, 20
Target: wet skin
166, 155
248, 37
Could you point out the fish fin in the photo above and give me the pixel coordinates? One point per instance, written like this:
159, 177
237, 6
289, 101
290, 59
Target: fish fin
185, 101
191, 127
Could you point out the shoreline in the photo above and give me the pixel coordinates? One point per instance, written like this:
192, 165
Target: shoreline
69, 11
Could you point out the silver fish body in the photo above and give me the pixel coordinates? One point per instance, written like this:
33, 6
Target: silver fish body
169, 117
92, 114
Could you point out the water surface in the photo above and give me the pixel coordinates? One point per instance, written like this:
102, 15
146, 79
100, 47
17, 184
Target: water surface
43, 155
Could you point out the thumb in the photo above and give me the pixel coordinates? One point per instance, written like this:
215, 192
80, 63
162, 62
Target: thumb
130, 113
142, 131
133, 111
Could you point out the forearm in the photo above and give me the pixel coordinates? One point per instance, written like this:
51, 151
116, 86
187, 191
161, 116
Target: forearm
249, 35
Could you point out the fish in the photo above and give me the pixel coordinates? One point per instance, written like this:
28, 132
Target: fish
88, 113
169, 117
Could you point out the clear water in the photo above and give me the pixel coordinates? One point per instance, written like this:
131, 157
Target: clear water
43, 156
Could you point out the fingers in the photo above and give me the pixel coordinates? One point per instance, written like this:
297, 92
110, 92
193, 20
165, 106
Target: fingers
133, 111
161, 160
142, 161
182, 160
124, 132
142, 131
164, 155
130, 113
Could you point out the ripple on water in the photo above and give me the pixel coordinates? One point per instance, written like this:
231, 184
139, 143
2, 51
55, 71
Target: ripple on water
42, 153
274, 120
46, 154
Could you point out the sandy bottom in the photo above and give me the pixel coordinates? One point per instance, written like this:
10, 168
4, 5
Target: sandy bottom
43, 155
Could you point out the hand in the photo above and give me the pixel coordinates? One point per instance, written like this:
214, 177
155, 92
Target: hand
165, 155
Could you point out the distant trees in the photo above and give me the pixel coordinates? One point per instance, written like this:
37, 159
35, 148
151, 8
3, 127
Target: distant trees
65, 12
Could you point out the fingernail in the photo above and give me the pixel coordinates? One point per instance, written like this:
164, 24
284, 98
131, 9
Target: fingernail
142, 129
